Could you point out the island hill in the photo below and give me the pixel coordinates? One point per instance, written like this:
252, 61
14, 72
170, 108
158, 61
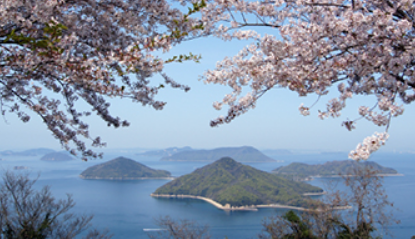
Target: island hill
230, 185
27, 153
240, 154
123, 169
302, 171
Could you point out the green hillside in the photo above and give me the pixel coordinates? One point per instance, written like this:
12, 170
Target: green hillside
229, 182
122, 169
301, 171
240, 154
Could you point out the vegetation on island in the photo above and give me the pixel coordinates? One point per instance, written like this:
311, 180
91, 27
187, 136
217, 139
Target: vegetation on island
122, 168
240, 154
371, 215
229, 182
57, 157
303, 171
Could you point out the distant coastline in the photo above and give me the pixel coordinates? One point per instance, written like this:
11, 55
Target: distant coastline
315, 194
350, 175
125, 178
227, 207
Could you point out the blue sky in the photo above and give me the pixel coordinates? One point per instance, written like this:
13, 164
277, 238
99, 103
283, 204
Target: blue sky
274, 124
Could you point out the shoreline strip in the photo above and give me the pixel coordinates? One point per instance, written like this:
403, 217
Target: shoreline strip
351, 175
228, 207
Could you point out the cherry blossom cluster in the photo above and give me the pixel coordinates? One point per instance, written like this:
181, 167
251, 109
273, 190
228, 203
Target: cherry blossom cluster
90, 50
360, 47
54, 53
370, 144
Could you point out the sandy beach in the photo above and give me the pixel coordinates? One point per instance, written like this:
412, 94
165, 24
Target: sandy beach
227, 207
315, 194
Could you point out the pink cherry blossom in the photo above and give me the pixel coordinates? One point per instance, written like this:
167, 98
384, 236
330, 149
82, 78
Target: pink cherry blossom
358, 47
57, 52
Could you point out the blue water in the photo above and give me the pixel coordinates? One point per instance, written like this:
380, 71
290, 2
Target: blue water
125, 208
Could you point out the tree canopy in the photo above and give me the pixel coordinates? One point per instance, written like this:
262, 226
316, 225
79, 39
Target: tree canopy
358, 47
55, 53
36, 214
91, 50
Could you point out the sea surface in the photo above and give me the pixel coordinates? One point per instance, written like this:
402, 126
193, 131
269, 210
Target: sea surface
126, 208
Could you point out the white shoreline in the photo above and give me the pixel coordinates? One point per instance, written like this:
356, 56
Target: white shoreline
351, 175
227, 207
315, 194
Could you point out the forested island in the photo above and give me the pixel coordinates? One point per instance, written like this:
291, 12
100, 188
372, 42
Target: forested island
57, 157
122, 168
302, 171
240, 154
231, 185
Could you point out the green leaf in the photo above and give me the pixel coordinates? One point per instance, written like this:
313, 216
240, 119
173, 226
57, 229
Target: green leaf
42, 44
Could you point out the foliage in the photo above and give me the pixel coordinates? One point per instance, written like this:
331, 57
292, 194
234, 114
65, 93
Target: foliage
182, 229
301, 171
27, 213
291, 226
122, 168
370, 212
359, 47
56, 53
92, 50
229, 182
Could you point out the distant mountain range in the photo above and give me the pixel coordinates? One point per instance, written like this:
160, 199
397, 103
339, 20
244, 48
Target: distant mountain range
228, 182
165, 152
57, 157
30, 152
302, 171
277, 152
240, 154
123, 169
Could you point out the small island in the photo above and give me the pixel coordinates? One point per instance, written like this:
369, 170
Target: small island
57, 157
240, 154
27, 153
304, 172
123, 169
230, 185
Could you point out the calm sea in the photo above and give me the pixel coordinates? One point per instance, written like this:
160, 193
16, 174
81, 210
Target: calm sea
125, 208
